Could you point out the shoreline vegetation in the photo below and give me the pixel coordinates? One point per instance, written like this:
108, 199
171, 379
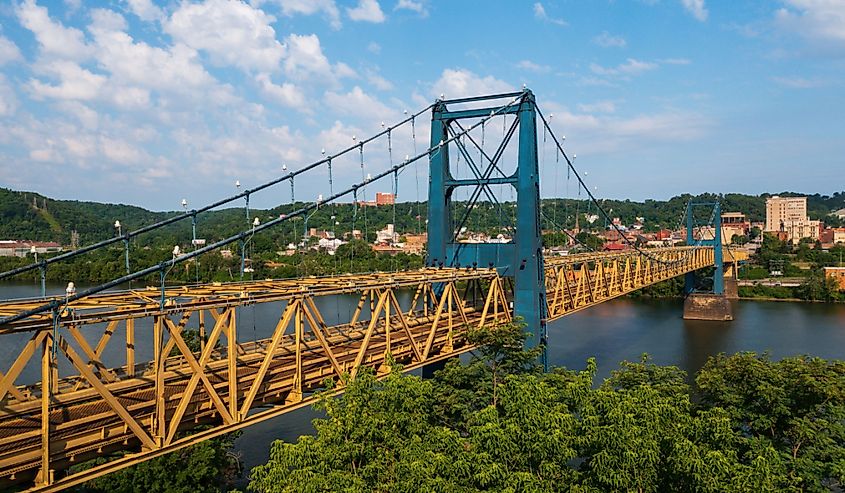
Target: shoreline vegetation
496, 422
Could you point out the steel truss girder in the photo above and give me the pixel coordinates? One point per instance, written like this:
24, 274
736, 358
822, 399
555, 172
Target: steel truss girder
149, 408
576, 282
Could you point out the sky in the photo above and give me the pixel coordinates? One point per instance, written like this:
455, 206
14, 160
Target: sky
147, 102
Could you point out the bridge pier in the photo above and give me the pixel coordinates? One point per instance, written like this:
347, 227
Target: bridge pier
708, 306
731, 288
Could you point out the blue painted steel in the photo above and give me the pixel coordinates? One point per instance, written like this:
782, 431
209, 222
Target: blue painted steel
477, 113
715, 242
439, 195
521, 259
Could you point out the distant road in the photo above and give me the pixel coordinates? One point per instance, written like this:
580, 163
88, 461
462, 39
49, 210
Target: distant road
787, 282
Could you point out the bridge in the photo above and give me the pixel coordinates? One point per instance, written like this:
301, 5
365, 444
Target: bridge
132, 374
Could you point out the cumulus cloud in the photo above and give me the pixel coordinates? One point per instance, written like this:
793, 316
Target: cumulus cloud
413, 5
54, 39
311, 7
696, 8
74, 82
306, 61
8, 51
146, 10
599, 132
232, 33
286, 94
822, 21
359, 103
366, 11
458, 83
606, 40
173, 69
379, 82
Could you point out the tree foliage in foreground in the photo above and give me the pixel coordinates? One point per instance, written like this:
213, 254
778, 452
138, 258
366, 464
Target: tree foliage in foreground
498, 424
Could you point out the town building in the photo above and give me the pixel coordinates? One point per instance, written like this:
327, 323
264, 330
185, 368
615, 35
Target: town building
382, 198
837, 274
734, 224
387, 235
787, 216
14, 248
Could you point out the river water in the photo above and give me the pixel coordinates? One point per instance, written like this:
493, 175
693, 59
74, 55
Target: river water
617, 330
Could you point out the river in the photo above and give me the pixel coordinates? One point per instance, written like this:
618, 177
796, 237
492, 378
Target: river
621, 329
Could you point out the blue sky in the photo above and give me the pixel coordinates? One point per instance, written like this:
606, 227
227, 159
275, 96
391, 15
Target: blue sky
145, 102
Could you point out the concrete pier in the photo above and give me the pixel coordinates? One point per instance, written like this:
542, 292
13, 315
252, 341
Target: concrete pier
731, 288
707, 306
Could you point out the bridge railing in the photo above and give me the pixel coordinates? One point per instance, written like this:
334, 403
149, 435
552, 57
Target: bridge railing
123, 372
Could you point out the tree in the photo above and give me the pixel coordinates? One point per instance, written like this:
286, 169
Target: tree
376, 437
795, 407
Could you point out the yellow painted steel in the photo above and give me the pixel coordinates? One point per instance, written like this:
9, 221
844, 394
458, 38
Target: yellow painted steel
94, 409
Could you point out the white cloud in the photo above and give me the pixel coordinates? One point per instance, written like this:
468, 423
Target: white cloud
54, 38
540, 14
606, 40
8, 51
232, 33
374, 47
360, 104
631, 67
414, 5
120, 151
608, 133
306, 61
86, 116
75, 82
458, 83
286, 94
696, 8
310, 7
799, 82
46, 154
598, 107
378, 81
366, 11
146, 10
175, 69
533, 67
8, 101
675, 61
822, 21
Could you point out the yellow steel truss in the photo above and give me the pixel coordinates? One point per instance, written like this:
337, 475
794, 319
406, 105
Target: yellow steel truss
94, 409
151, 408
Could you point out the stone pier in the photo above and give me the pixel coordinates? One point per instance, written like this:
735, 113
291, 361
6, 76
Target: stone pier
731, 288
708, 306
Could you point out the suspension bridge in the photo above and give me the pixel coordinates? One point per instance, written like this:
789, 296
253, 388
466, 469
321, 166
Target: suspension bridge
126, 375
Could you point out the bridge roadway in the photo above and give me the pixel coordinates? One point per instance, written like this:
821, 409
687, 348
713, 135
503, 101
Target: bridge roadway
83, 408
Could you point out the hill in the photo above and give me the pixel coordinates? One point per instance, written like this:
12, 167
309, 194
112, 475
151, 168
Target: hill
32, 216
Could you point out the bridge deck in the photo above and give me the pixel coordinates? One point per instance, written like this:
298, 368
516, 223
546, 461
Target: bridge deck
85, 408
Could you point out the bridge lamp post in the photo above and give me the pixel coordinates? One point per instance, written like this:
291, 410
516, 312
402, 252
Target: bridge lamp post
193, 233
255, 223
42, 268
119, 229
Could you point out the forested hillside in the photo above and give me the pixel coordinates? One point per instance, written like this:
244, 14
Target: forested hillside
31, 216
